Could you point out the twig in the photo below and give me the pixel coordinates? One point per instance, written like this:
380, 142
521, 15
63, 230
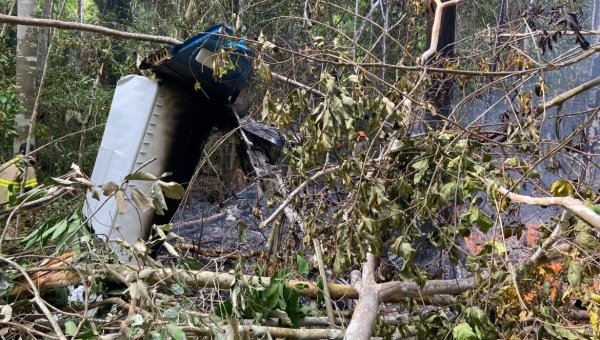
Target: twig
293, 194
556, 233
46, 199
89, 117
294, 83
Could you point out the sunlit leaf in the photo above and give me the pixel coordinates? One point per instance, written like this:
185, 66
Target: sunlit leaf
562, 188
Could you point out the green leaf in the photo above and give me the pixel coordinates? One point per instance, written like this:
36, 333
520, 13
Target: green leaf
176, 332
170, 249
594, 208
303, 265
575, 274
464, 332
320, 287
70, 328
191, 263
484, 222
420, 164
224, 309
137, 320
59, 229
177, 289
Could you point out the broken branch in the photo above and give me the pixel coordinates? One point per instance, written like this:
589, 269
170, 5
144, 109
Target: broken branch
574, 205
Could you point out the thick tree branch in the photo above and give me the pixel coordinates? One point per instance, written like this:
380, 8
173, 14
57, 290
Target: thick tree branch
10, 19
365, 313
372, 294
395, 291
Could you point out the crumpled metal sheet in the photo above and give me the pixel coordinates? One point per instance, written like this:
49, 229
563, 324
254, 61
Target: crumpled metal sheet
265, 131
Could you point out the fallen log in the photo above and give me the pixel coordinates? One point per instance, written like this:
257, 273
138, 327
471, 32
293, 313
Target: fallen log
395, 291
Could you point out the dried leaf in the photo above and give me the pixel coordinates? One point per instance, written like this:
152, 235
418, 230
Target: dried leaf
141, 201
6, 313
85, 182
141, 176
108, 188
77, 169
172, 190
120, 198
171, 249
94, 193
62, 181
283, 317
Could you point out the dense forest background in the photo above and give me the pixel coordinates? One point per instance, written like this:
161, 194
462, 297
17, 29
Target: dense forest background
468, 210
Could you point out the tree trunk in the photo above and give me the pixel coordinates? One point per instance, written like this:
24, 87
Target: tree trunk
440, 92
593, 131
26, 69
44, 35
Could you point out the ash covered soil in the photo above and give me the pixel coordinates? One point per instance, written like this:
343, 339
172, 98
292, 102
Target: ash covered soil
204, 221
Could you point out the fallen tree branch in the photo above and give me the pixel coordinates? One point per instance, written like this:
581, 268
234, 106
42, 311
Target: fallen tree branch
274, 332
10, 19
395, 291
365, 312
200, 221
574, 205
372, 294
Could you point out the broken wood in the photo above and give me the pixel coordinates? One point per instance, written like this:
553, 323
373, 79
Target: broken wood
200, 221
236, 255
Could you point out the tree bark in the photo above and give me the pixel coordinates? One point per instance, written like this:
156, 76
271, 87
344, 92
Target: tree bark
440, 39
44, 35
26, 70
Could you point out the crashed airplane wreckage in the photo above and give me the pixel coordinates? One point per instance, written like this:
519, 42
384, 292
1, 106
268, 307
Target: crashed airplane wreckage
160, 125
